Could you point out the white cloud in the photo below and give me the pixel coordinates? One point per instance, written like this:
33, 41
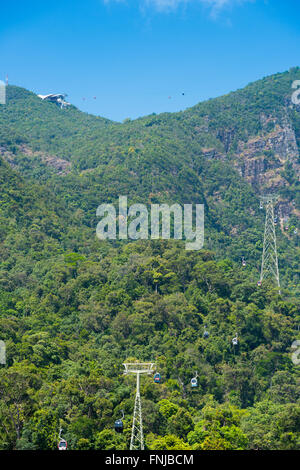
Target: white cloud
215, 6
165, 5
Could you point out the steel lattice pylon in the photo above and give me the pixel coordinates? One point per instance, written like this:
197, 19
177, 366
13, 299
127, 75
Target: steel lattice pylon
137, 435
269, 264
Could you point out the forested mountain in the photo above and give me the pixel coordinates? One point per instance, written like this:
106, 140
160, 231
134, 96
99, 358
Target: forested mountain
74, 308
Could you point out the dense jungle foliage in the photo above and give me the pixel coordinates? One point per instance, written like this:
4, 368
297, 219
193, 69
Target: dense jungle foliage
74, 308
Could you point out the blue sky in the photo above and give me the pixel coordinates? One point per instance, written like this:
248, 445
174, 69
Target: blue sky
139, 56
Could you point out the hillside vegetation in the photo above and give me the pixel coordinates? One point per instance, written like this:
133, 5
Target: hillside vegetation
74, 308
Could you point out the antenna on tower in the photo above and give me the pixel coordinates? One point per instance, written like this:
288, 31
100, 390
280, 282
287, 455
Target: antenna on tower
6, 80
137, 435
269, 264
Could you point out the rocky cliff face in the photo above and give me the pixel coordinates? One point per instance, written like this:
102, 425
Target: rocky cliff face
59, 165
261, 159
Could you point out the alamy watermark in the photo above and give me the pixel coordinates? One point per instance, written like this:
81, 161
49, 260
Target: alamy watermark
296, 93
2, 352
2, 92
136, 222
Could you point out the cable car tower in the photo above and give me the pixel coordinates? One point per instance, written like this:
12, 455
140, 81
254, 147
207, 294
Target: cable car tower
138, 368
269, 264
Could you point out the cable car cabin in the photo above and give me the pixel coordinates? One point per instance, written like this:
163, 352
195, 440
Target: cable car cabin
194, 382
243, 263
206, 334
157, 378
62, 445
235, 341
119, 425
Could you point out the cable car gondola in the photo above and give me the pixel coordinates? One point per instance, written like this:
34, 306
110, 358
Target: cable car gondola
206, 333
235, 340
119, 426
157, 378
194, 381
243, 261
62, 445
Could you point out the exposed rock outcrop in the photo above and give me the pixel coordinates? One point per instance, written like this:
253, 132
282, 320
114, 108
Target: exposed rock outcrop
262, 159
61, 166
